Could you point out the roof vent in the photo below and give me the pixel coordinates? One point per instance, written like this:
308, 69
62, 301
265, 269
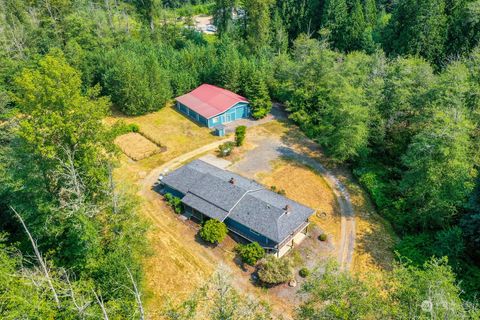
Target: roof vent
287, 209
232, 180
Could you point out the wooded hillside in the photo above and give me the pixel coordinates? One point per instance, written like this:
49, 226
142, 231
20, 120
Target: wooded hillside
390, 89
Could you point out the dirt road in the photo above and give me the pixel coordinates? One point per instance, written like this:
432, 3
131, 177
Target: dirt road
151, 178
269, 149
268, 152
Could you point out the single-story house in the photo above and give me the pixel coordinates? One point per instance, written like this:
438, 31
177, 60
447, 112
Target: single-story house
212, 106
247, 208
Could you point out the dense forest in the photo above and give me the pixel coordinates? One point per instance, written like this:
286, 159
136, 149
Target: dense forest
389, 89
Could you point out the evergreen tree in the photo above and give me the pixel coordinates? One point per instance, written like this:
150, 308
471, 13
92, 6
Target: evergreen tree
356, 27
418, 28
463, 27
440, 173
257, 27
335, 19
370, 13
408, 83
223, 18
229, 66
125, 67
279, 34
256, 91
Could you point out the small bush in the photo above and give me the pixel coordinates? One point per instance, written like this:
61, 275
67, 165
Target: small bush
322, 237
133, 127
240, 132
174, 202
225, 149
250, 253
120, 128
304, 272
213, 231
281, 192
274, 271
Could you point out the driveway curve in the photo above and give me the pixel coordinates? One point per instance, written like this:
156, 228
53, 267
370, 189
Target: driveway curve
263, 154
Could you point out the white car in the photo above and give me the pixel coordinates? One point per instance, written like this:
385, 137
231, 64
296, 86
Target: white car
211, 28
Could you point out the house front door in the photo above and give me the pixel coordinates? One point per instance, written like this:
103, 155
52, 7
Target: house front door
228, 118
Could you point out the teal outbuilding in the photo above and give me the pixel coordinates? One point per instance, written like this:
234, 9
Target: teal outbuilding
212, 106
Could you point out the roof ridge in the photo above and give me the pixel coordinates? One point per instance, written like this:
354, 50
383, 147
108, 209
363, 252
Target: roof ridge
243, 196
224, 91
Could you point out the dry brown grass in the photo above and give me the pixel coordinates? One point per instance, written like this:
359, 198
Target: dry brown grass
375, 236
136, 146
178, 264
174, 263
168, 128
309, 188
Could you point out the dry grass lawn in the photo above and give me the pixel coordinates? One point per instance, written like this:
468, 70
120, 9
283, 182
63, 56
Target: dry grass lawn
309, 188
176, 264
168, 128
136, 146
375, 236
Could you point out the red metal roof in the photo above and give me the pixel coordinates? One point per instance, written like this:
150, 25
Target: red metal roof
208, 100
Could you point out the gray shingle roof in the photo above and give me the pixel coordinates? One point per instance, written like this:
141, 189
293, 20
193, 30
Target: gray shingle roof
208, 190
183, 178
274, 207
204, 206
224, 194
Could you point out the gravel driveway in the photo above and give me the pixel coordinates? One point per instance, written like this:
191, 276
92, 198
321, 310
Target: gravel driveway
271, 148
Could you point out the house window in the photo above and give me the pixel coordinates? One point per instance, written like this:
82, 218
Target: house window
215, 119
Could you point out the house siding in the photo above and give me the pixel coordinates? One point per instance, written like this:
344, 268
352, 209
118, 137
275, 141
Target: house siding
192, 114
249, 234
240, 110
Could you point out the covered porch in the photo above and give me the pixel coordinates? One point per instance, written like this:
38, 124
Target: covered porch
293, 240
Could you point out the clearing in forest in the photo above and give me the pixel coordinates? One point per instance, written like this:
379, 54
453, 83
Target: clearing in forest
274, 153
